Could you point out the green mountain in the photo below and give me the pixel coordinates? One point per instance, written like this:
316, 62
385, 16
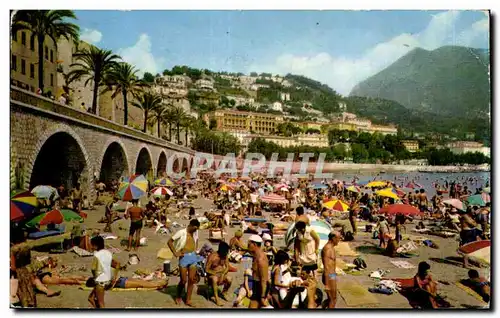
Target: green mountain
448, 81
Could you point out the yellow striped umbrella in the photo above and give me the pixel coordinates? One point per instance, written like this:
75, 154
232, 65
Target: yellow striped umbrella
376, 184
387, 193
336, 205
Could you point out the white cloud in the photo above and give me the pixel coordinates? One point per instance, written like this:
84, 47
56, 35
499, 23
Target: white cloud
91, 36
141, 57
343, 73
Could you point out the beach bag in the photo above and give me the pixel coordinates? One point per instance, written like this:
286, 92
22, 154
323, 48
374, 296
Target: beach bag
375, 235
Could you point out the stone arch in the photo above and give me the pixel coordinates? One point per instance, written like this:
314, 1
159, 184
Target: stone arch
114, 161
185, 165
144, 163
60, 156
161, 168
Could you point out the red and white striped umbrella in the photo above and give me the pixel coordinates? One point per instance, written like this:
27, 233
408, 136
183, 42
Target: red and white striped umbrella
274, 199
161, 191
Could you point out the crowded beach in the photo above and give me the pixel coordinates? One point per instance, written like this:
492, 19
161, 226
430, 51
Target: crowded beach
252, 241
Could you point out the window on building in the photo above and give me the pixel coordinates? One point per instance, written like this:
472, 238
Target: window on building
13, 64
52, 56
23, 38
32, 43
32, 70
23, 67
46, 53
51, 79
14, 36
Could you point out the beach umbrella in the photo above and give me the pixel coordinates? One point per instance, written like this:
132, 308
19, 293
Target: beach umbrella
398, 192
376, 184
281, 185
336, 205
55, 217
45, 192
225, 187
487, 190
322, 228
405, 209
387, 193
413, 185
22, 205
133, 188
476, 199
274, 199
163, 182
456, 203
161, 191
354, 188
480, 250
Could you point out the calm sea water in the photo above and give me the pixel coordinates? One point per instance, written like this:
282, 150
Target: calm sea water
425, 179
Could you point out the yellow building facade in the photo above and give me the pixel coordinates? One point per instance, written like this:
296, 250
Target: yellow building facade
410, 145
231, 120
24, 62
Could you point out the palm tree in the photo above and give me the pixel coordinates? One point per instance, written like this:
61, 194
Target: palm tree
148, 102
188, 123
45, 23
95, 65
158, 117
123, 79
178, 117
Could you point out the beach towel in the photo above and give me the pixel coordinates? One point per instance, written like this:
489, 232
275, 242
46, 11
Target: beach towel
470, 291
180, 239
403, 264
354, 294
81, 252
122, 289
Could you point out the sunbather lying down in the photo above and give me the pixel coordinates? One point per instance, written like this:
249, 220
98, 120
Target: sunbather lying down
124, 282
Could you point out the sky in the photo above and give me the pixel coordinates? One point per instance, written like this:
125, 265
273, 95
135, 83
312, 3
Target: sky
338, 48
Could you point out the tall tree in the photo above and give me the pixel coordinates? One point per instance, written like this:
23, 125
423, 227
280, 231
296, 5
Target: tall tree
42, 24
158, 117
148, 102
123, 79
178, 117
95, 65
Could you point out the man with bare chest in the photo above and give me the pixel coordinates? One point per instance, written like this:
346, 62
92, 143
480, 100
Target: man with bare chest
183, 245
136, 215
217, 268
329, 273
260, 270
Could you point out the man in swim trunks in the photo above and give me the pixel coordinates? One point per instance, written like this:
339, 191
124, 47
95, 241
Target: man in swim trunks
136, 214
184, 244
260, 270
329, 273
217, 268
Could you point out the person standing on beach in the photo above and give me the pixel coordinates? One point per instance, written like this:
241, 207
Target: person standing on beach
77, 198
329, 259
136, 214
353, 214
260, 270
306, 247
101, 272
183, 245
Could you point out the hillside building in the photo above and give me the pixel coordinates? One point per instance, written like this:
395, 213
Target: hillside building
238, 121
410, 145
